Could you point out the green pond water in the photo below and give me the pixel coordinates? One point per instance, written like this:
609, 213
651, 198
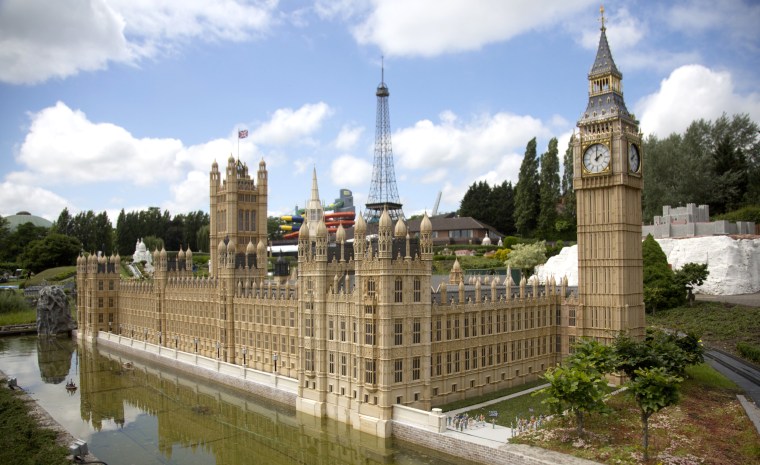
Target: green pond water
132, 412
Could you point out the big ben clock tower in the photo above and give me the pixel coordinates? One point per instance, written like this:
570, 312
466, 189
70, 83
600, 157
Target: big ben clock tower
608, 167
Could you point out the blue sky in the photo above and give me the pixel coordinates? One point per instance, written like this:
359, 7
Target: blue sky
111, 104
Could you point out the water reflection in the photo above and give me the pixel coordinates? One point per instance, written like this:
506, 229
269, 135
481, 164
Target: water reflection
54, 358
132, 412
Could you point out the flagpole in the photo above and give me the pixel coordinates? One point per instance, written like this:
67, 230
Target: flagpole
238, 138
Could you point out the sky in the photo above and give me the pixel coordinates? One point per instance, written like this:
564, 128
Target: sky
125, 104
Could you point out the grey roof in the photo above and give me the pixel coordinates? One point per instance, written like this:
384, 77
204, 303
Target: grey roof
604, 64
607, 105
444, 223
14, 221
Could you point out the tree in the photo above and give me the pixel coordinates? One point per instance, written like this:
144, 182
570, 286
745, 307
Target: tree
578, 384
502, 206
670, 351
475, 201
63, 225
567, 221
653, 389
526, 257
203, 238
273, 228
527, 193
690, 275
54, 250
549, 191
660, 287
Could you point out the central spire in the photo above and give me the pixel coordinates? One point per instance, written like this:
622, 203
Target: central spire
383, 194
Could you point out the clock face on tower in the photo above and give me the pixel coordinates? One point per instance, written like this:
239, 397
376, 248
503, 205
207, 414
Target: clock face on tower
596, 158
634, 158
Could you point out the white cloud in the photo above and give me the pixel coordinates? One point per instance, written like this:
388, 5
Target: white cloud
349, 171
303, 164
348, 137
288, 126
40, 40
191, 194
692, 92
432, 27
465, 146
38, 201
63, 146
343, 9
624, 30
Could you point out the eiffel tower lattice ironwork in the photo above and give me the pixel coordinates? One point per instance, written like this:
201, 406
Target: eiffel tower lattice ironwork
383, 194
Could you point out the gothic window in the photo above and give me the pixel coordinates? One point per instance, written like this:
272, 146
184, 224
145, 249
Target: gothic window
438, 328
466, 360
331, 363
416, 331
571, 319
456, 328
342, 331
343, 365
369, 372
100, 302
571, 344
448, 363
110, 285
100, 285
369, 333
448, 329
466, 327
371, 287
308, 328
309, 360
355, 332
417, 290
398, 370
438, 364
474, 358
415, 368
456, 362
474, 324
331, 330
398, 331
398, 295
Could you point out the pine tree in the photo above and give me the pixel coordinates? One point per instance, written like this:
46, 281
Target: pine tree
549, 191
527, 193
502, 203
569, 205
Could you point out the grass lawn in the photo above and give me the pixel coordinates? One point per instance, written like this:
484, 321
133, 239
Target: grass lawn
720, 325
21, 439
18, 318
707, 426
51, 275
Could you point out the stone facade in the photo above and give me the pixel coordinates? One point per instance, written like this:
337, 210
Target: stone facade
360, 326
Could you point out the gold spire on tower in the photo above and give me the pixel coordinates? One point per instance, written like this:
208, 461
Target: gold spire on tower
601, 13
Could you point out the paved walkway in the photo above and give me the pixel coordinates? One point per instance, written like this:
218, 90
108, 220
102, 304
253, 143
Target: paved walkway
486, 434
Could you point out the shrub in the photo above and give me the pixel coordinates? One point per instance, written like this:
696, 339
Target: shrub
749, 351
11, 301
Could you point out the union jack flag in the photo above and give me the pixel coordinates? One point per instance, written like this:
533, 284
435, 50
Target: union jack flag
243, 134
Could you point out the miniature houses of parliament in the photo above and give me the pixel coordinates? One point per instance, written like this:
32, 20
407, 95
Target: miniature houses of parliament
359, 324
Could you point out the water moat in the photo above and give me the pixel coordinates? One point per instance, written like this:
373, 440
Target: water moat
131, 412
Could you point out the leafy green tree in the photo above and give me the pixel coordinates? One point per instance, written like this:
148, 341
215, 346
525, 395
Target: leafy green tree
153, 243
64, 223
527, 193
661, 291
18, 240
203, 238
54, 250
670, 351
273, 228
475, 201
568, 193
549, 191
525, 257
691, 275
653, 389
502, 206
578, 384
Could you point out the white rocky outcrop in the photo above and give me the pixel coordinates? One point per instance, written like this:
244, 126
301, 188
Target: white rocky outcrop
734, 263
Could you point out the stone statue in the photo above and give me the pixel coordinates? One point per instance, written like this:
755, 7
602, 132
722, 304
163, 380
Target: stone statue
53, 315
